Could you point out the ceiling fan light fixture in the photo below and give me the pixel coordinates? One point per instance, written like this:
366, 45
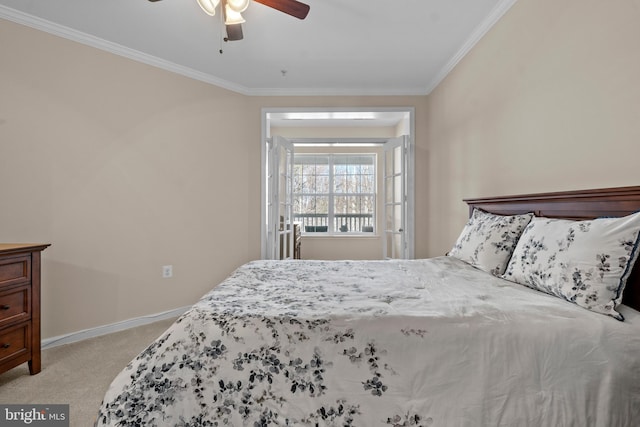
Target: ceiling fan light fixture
209, 6
231, 17
238, 5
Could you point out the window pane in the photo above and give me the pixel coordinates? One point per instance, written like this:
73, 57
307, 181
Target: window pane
309, 184
354, 174
340, 204
322, 184
340, 184
367, 204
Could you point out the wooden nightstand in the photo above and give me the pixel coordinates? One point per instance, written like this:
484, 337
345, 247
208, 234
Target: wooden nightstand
20, 305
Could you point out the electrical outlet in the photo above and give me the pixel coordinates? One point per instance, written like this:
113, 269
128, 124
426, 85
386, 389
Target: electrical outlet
167, 271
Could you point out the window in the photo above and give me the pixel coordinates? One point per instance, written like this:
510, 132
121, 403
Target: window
334, 193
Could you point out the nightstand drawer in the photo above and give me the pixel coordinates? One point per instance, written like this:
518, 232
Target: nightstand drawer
14, 305
15, 270
14, 342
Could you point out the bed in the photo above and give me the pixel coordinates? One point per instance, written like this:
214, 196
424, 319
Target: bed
429, 342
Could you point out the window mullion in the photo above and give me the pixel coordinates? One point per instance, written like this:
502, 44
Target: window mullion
331, 218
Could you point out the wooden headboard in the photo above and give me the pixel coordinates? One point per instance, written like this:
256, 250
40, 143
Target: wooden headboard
582, 204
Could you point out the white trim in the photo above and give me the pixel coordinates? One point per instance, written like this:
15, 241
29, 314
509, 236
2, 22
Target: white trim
108, 329
78, 36
354, 141
115, 48
416, 91
501, 8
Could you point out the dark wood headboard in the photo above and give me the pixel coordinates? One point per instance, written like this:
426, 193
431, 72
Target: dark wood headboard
582, 204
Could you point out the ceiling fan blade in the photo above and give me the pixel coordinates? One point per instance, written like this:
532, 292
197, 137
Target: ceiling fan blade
234, 32
153, 0
290, 7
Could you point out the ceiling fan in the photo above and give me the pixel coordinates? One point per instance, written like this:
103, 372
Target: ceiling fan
232, 12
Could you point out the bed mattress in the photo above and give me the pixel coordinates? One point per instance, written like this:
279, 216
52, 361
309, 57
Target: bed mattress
433, 342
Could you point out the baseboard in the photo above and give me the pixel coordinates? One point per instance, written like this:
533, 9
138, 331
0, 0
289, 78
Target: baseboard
108, 329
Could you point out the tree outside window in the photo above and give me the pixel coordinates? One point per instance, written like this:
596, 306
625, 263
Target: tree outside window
335, 193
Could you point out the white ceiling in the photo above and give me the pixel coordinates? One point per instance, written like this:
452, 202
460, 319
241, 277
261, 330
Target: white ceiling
343, 47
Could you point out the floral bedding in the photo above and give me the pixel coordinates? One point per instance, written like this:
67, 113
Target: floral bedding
432, 342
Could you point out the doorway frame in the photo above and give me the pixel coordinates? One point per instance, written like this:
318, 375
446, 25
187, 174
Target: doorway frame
409, 130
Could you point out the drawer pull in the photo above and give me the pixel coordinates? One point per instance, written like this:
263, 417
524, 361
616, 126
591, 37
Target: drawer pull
5, 307
6, 345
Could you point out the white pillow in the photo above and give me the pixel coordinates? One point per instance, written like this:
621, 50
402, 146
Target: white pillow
584, 262
488, 240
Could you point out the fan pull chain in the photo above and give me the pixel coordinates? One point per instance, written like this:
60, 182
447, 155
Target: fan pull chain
220, 27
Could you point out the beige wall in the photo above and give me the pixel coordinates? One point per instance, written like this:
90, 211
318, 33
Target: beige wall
124, 168
548, 100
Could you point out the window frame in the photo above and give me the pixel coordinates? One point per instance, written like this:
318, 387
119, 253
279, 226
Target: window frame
331, 219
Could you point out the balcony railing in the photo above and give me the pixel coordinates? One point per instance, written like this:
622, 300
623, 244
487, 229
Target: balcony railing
319, 223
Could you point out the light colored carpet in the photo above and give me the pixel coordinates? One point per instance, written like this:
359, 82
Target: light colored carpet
78, 374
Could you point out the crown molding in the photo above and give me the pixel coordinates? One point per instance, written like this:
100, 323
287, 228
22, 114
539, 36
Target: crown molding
23, 18
417, 91
498, 11
28, 20
87, 39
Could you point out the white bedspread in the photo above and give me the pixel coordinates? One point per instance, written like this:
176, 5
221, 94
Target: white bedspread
372, 343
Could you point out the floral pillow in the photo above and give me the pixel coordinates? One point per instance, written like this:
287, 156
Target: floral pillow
488, 240
584, 262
